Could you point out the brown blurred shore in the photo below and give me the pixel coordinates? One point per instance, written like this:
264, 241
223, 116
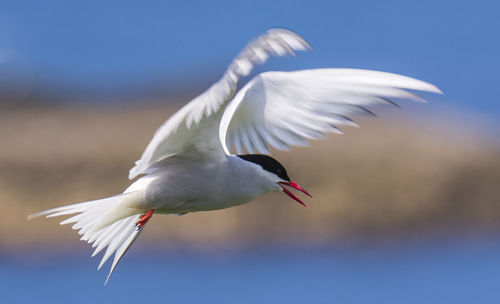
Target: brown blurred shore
395, 178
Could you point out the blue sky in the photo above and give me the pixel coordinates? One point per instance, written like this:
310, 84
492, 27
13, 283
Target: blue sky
106, 46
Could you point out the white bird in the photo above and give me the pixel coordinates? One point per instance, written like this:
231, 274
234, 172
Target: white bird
188, 167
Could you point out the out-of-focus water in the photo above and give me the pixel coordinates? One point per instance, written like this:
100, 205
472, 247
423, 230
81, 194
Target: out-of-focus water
465, 272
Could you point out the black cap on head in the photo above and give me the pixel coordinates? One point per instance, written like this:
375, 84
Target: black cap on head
267, 163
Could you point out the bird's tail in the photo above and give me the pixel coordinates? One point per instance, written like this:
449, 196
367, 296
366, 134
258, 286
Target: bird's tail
109, 222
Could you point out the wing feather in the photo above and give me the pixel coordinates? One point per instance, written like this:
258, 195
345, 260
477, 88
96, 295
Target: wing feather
193, 130
291, 107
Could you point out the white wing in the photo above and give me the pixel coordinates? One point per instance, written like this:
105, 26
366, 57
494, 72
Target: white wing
194, 128
285, 109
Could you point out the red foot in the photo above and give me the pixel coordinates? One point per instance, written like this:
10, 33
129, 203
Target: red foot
144, 218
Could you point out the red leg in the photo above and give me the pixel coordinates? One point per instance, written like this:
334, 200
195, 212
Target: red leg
144, 218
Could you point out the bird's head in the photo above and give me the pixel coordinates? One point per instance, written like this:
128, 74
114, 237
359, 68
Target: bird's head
278, 174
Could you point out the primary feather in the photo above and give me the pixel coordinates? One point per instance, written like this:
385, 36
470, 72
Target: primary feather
194, 128
285, 109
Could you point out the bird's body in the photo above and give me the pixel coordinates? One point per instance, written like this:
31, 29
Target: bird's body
188, 167
180, 185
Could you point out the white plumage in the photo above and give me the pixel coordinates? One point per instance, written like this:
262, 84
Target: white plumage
188, 167
285, 108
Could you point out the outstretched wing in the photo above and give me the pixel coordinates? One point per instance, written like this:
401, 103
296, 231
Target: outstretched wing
193, 130
286, 109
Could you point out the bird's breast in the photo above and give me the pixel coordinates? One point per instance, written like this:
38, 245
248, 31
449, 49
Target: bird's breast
190, 186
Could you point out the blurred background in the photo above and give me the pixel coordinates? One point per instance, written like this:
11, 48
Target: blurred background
406, 208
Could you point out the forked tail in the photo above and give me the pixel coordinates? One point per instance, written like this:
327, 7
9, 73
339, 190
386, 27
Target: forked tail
110, 222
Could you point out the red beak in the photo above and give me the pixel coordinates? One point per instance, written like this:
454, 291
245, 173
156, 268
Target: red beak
295, 186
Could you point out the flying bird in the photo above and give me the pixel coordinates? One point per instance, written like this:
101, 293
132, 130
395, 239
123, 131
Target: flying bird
188, 165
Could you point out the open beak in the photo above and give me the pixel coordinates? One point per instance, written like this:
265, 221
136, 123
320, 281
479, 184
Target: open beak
295, 186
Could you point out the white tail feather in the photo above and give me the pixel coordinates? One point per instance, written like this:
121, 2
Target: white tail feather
109, 222
123, 248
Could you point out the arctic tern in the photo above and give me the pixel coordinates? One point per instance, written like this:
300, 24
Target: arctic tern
187, 166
